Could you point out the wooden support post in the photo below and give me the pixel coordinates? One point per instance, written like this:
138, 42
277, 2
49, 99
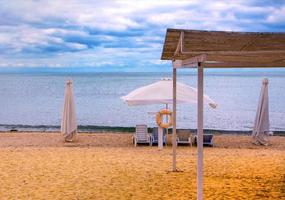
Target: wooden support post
160, 138
200, 133
167, 120
174, 122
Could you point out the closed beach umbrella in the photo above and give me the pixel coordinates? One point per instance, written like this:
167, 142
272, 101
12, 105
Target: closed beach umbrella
261, 123
161, 93
68, 123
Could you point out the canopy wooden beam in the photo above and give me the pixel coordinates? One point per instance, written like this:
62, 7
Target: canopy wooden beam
229, 48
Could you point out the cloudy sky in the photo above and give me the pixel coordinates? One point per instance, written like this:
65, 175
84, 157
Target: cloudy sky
124, 35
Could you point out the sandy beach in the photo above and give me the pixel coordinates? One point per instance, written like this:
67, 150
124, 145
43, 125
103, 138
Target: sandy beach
107, 166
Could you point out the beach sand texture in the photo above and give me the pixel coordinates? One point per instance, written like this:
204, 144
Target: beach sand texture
107, 166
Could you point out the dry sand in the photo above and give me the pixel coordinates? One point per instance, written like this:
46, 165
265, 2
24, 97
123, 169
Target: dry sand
107, 166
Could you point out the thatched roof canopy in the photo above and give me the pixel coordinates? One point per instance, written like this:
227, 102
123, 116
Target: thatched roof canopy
226, 49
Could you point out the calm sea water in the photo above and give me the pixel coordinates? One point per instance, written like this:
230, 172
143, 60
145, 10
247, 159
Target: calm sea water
37, 99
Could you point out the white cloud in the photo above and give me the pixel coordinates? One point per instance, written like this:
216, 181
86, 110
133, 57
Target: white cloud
86, 32
277, 16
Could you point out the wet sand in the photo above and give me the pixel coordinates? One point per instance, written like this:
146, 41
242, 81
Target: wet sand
107, 166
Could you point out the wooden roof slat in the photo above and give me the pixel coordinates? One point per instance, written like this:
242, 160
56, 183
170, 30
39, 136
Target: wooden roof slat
227, 47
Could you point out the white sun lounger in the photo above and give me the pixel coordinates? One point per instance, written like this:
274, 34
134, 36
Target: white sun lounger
141, 136
184, 137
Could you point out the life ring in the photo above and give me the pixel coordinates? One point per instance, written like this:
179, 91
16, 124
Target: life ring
159, 116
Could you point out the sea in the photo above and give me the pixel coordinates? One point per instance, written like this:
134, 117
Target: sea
34, 101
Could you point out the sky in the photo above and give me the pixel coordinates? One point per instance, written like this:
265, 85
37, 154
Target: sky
117, 35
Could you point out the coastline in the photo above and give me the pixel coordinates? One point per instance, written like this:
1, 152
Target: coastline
122, 140
114, 129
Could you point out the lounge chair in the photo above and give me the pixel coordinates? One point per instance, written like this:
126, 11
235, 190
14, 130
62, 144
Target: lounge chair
154, 136
141, 136
207, 140
184, 137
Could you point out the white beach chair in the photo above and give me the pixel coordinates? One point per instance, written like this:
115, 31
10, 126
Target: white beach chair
184, 137
141, 136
